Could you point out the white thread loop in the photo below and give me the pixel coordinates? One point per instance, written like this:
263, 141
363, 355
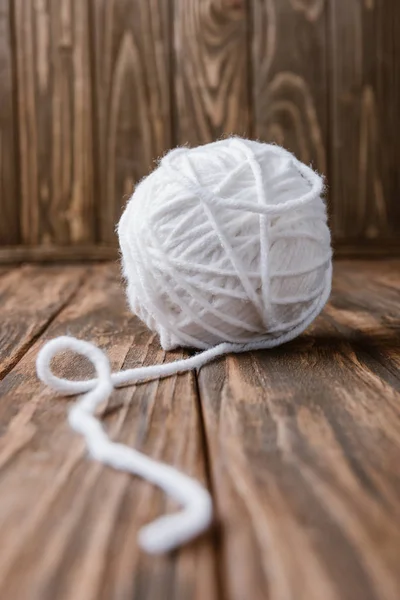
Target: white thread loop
167, 532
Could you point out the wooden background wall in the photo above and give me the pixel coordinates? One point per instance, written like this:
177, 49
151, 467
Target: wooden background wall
92, 91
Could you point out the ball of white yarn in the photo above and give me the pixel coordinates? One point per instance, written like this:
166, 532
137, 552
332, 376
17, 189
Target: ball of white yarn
227, 242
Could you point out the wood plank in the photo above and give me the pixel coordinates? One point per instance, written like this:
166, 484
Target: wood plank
211, 70
54, 121
9, 222
289, 76
85, 515
382, 249
5, 270
370, 314
57, 254
365, 95
133, 112
10, 255
30, 298
304, 443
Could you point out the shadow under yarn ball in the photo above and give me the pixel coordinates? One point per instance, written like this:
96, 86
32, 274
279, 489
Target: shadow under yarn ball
227, 242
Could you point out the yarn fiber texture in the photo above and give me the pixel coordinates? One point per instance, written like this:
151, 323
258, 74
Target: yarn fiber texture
225, 248
227, 242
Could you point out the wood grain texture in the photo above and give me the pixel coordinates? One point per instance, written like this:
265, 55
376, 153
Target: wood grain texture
10, 255
304, 443
9, 208
85, 517
30, 297
92, 92
57, 254
55, 126
290, 78
385, 249
301, 448
365, 96
4, 270
211, 70
133, 111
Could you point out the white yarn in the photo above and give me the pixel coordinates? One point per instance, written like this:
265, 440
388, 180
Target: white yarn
227, 242
225, 248
167, 532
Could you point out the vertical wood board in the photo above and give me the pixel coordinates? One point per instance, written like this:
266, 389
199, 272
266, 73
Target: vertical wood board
132, 98
211, 70
365, 101
55, 121
9, 200
289, 78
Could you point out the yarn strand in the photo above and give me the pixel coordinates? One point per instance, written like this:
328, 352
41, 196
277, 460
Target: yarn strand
167, 532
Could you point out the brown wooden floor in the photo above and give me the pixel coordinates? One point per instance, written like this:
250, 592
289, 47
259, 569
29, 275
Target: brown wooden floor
300, 447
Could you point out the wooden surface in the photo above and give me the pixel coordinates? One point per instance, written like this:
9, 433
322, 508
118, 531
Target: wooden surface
365, 91
299, 446
132, 58
9, 221
212, 70
93, 92
289, 61
84, 517
10, 255
55, 134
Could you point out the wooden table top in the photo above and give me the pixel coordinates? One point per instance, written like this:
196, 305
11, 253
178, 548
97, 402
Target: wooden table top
299, 446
